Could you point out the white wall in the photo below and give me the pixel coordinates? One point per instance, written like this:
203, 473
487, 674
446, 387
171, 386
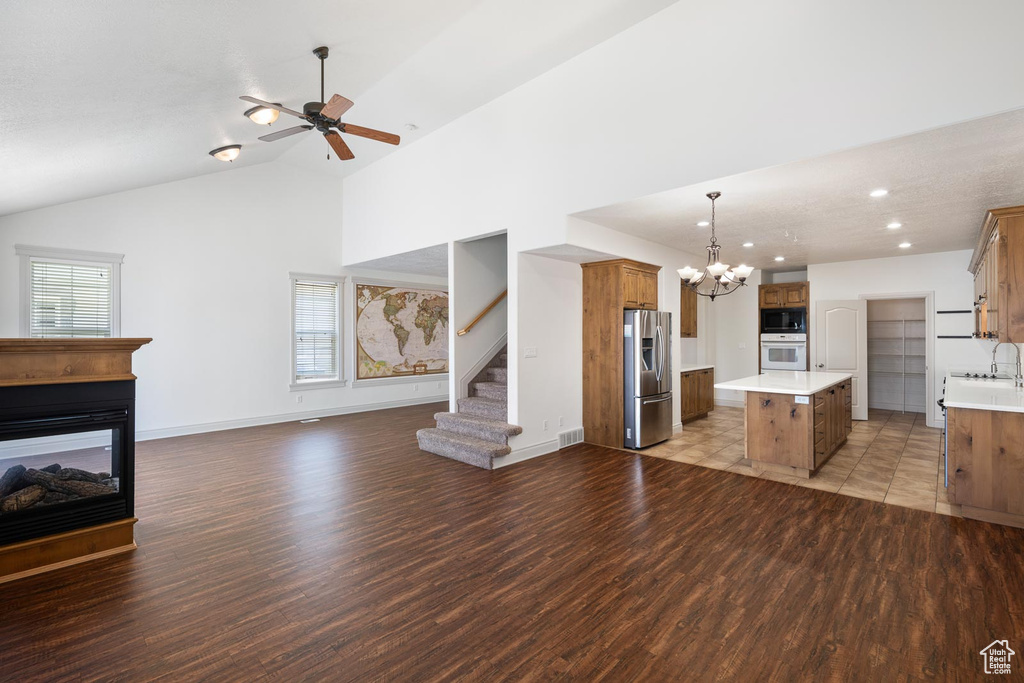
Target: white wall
478, 272
736, 323
605, 127
944, 274
206, 275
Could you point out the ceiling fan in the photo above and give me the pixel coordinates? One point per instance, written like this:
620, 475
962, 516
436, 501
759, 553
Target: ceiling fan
325, 118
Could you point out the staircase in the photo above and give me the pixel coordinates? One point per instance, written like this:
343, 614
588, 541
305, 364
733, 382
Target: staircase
478, 433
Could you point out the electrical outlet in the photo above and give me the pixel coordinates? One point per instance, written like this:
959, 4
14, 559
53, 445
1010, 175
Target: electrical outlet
545, 424
298, 398
743, 345
440, 385
561, 421
415, 387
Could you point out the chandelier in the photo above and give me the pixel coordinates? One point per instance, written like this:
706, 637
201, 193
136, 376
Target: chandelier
716, 279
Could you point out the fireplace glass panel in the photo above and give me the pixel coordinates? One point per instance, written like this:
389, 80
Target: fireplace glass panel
41, 472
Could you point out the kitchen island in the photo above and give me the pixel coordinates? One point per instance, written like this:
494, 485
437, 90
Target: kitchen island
794, 421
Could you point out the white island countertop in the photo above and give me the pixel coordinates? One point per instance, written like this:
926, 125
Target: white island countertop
984, 394
691, 368
785, 382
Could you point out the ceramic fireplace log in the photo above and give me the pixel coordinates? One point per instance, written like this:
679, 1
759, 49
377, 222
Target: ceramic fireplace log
25, 498
68, 486
11, 480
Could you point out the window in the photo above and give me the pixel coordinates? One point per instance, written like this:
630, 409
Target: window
316, 331
69, 293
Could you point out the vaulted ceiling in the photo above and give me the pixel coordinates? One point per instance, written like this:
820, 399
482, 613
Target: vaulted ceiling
103, 97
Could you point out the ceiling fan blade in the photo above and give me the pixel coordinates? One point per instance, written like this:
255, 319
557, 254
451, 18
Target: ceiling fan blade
284, 133
377, 135
271, 105
339, 146
337, 106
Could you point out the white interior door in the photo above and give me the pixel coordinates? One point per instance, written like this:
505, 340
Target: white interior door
841, 345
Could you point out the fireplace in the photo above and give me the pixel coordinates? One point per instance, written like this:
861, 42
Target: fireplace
67, 452
67, 457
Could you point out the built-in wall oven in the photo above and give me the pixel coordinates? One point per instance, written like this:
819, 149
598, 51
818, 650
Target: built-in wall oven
783, 352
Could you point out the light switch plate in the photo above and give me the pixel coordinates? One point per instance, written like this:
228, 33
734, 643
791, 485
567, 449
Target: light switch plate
530, 352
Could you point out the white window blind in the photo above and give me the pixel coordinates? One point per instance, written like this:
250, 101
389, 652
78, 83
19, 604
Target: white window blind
70, 299
316, 330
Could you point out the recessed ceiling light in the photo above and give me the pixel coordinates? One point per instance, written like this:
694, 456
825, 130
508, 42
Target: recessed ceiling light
893, 226
879, 192
780, 258
748, 244
229, 153
904, 245
703, 224
411, 126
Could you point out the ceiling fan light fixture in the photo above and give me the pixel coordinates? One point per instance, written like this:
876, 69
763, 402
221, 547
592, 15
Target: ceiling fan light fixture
228, 153
262, 115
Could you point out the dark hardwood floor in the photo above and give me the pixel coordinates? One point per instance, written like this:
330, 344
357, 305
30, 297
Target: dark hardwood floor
338, 551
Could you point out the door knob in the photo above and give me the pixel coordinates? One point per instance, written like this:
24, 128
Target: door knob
820, 365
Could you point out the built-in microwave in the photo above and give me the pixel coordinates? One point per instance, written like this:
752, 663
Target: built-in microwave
783, 321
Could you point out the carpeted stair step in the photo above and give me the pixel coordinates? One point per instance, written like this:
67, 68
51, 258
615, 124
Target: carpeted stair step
484, 407
501, 361
491, 390
477, 427
460, 447
498, 375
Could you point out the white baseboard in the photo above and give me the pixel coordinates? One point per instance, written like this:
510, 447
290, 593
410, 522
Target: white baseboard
185, 430
521, 454
677, 428
730, 402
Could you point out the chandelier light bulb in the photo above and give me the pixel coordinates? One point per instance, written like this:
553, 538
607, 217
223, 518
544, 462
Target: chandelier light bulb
718, 269
687, 273
743, 271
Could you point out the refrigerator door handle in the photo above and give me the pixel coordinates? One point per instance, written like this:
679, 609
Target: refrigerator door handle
660, 341
656, 400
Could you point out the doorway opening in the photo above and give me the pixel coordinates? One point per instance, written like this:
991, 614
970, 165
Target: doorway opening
898, 353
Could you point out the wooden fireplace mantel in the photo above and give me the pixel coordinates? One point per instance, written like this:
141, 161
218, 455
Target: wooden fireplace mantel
63, 361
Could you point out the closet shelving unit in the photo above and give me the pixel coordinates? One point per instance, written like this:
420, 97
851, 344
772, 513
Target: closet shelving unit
896, 364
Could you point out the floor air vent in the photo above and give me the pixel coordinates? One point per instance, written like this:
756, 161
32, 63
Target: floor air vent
570, 437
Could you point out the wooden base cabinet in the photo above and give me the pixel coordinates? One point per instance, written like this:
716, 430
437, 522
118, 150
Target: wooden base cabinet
697, 393
609, 288
986, 464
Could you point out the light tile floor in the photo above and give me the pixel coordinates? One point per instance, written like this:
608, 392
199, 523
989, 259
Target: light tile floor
890, 457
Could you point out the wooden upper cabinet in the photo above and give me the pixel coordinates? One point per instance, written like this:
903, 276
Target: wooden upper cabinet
998, 268
631, 288
770, 296
640, 286
794, 294
783, 295
687, 312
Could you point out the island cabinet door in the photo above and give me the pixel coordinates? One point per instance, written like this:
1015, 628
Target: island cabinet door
820, 426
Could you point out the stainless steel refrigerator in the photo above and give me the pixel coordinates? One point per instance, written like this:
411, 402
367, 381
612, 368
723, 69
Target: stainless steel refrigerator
647, 395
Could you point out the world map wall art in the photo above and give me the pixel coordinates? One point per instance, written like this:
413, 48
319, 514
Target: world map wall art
401, 331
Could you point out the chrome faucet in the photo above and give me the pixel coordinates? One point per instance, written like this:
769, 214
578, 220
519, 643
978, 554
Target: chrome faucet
1018, 380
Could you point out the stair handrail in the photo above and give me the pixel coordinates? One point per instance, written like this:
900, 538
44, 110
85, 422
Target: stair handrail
484, 312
